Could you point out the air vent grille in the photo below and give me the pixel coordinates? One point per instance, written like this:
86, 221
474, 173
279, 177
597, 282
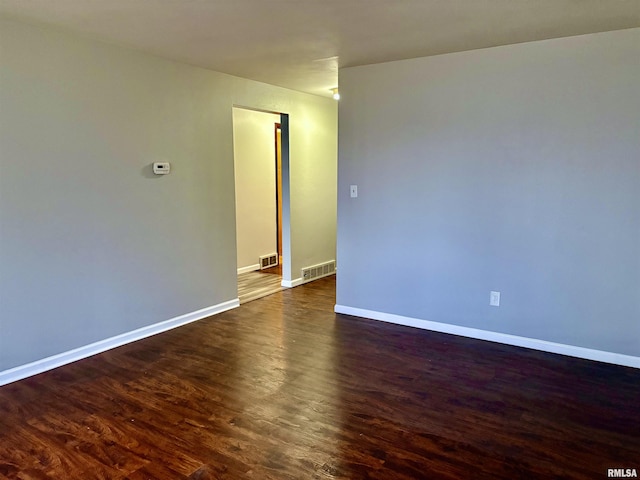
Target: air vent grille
317, 271
268, 261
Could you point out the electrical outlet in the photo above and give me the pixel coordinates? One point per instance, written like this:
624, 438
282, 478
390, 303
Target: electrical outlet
494, 299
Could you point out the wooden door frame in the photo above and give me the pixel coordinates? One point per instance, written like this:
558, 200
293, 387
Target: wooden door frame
278, 161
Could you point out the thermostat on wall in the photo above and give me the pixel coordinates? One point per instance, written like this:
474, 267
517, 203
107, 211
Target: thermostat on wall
161, 168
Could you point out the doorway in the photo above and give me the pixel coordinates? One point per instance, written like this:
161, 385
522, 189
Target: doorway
261, 194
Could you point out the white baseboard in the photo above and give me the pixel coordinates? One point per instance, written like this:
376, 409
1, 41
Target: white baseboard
250, 268
535, 344
292, 283
49, 363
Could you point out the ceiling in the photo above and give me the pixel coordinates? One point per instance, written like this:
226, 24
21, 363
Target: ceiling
301, 44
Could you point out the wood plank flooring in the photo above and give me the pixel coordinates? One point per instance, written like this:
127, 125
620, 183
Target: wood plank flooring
258, 284
283, 388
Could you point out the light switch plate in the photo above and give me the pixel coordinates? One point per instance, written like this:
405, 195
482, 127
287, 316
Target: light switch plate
494, 299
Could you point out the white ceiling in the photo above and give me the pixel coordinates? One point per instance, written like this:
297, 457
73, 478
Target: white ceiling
300, 44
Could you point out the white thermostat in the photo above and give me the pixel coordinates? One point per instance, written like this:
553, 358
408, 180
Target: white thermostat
161, 168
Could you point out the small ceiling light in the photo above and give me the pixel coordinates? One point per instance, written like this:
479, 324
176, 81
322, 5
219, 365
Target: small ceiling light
336, 94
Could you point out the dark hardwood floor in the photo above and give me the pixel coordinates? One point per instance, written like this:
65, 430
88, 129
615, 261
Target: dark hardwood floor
283, 388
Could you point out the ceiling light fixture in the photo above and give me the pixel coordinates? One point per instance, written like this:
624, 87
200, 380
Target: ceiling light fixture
336, 93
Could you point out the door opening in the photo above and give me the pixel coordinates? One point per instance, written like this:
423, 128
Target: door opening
262, 199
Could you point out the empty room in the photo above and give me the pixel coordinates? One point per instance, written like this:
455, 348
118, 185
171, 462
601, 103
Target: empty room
451, 198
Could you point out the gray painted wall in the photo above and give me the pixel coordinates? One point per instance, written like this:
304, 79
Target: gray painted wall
92, 244
514, 169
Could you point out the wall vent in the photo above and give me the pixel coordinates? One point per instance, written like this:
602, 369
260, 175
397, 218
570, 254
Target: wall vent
317, 271
268, 261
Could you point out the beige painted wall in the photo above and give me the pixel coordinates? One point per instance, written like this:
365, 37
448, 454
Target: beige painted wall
92, 244
255, 179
